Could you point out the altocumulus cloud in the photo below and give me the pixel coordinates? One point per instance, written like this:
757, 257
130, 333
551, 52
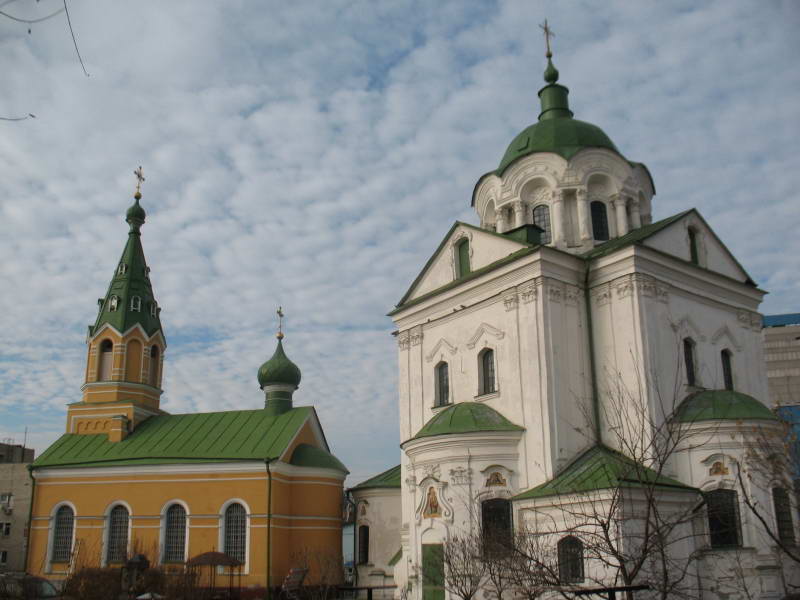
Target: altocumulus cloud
311, 155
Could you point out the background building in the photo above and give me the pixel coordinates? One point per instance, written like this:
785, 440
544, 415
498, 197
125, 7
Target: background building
15, 502
782, 353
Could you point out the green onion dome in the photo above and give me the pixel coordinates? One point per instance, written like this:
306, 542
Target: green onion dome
279, 369
135, 215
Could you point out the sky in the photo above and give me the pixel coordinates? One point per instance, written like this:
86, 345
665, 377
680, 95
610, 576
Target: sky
313, 154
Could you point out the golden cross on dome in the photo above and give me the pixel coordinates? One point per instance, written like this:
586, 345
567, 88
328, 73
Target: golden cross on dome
548, 33
139, 180
280, 323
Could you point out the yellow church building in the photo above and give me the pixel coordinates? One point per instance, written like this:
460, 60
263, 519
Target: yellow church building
127, 477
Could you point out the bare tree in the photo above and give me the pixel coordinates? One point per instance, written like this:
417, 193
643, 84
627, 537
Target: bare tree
464, 565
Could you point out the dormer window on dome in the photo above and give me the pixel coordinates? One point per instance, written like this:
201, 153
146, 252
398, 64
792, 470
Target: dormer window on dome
122, 269
113, 303
136, 304
153, 309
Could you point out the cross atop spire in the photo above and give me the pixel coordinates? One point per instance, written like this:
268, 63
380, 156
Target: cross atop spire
280, 323
139, 180
548, 33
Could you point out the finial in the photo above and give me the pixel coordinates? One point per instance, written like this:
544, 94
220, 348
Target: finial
139, 180
550, 73
280, 323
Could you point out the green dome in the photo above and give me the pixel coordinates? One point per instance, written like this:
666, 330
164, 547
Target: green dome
135, 213
279, 369
564, 136
467, 417
721, 405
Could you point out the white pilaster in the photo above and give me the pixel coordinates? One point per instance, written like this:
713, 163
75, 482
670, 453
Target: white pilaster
519, 214
622, 215
584, 220
636, 214
558, 218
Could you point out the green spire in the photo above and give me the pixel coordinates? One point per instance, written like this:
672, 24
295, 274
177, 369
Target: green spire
130, 299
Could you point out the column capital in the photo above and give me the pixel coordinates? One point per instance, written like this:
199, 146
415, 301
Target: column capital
581, 192
619, 200
558, 194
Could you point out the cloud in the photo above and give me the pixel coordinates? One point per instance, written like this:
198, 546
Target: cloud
313, 156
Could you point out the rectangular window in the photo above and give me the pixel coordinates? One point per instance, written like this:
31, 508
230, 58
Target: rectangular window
783, 516
363, 545
5, 528
723, 518
3, 557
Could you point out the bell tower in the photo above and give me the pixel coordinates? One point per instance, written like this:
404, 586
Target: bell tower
126, 344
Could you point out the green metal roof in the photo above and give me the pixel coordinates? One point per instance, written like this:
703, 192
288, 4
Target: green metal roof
396, 558
600, 468
388, 479
279, 369
721, 405
306, 455
133, 279
633, 237
192, 438
564, 136
466, 417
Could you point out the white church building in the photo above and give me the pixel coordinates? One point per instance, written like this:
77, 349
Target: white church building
568, 353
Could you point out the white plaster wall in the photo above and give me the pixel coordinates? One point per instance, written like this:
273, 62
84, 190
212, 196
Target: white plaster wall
380, 510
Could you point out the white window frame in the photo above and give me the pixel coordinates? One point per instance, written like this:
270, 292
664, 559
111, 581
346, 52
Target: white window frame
162, 538
221, 536
51, 532
107, 530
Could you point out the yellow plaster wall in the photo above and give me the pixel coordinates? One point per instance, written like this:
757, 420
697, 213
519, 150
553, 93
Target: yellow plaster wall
204, 494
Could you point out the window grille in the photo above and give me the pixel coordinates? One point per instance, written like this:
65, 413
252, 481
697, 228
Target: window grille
570, 560
488, 380
541, 217
599, 220
117, 535
688, 359
723, 518
175, 534
496, 525
727, 371
236, 532
442, 384
363, 544
62, 534
783, 516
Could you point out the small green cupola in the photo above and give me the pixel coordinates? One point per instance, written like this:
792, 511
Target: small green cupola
279, 377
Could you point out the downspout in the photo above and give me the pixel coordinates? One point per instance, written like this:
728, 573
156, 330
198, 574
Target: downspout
267, 462
30, 518
598, 437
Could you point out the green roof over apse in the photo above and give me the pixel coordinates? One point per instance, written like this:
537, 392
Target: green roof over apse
466, 417
721, 405
388, 479
179, 439
600, 468
131, 279
306, 455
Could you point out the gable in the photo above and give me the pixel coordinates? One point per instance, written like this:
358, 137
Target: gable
486, 247
712, 253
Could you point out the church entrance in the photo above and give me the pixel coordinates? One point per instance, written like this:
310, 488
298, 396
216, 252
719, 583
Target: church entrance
432, 572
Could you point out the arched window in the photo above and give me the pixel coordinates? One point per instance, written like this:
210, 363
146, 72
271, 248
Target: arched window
136, 304
117, 547
153, 375
496, 526
175, 534
727, 370
235, 544
689, 361
122, 269
442, 384
462, 258
488, 381
113, 303
783, 516
570, 560
105, 360
541, 217
694, 256
723, 518
63, 528
363, 544
599, 220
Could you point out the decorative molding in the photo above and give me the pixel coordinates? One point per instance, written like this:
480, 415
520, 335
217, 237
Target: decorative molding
725, 331
431, 471
686, 325
511, 301
555, 292
461, 475
432, 489
529, 293
571, 295
601, 294
441, 343
484, 328
416, 335
403, 340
